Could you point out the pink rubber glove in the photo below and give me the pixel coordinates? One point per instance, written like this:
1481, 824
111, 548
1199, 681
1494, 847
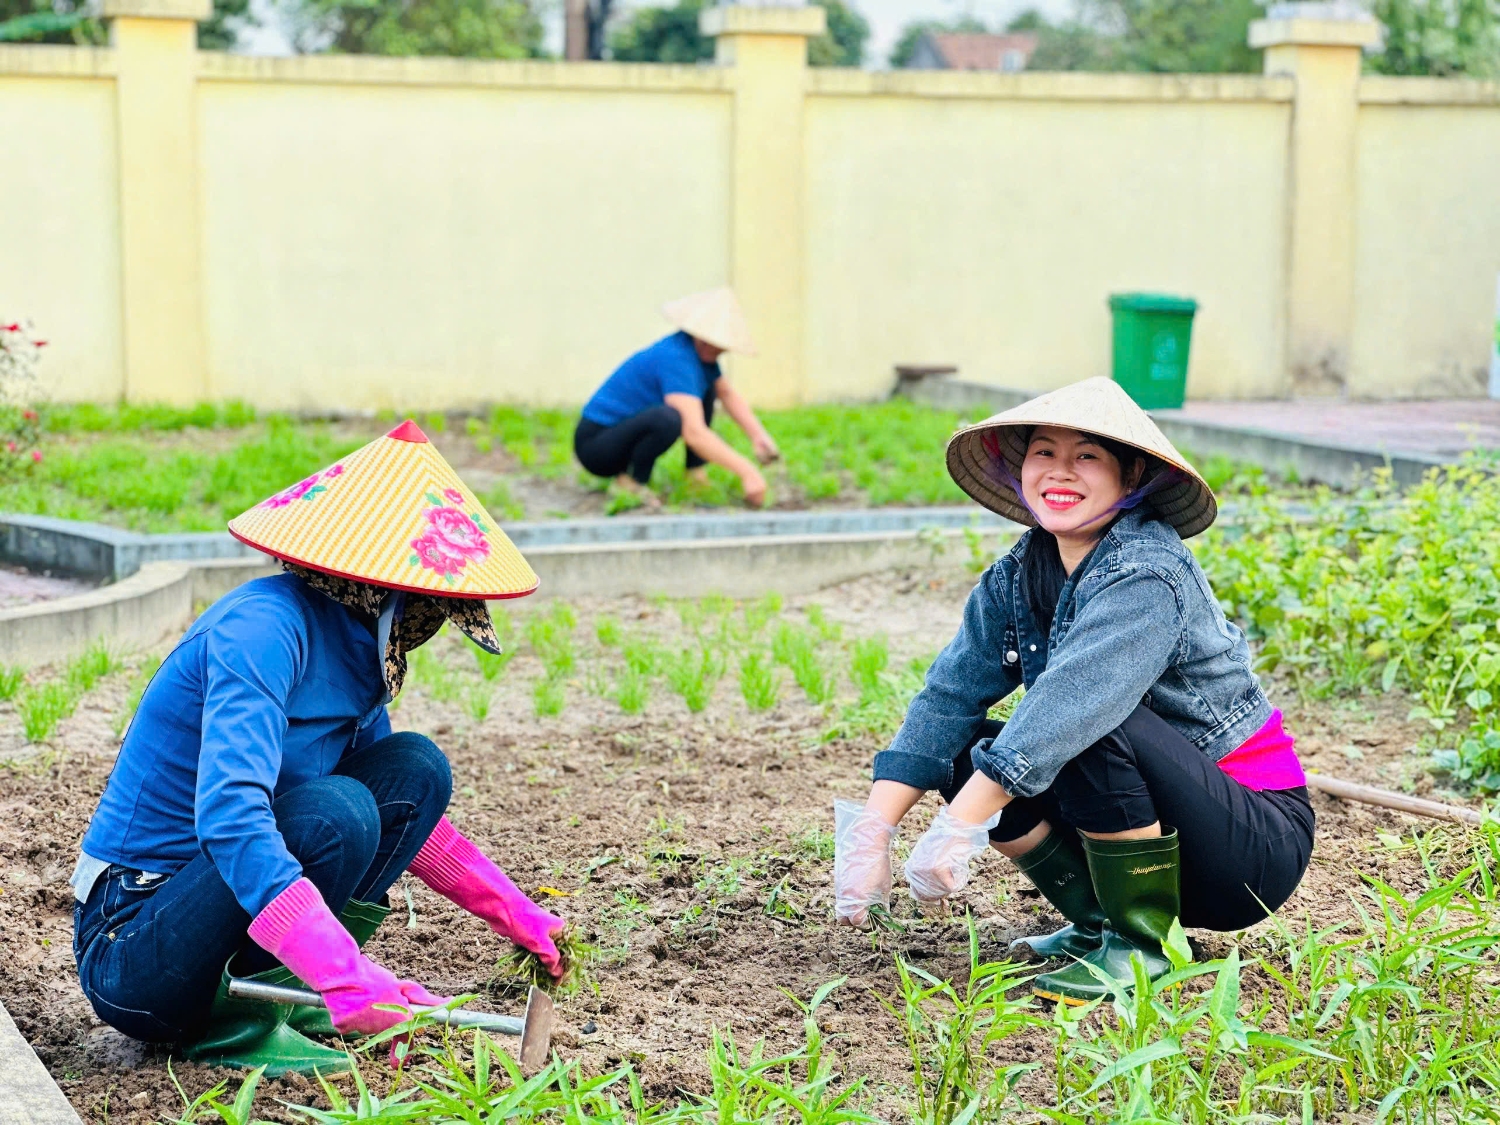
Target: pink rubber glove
461, 873
299, 930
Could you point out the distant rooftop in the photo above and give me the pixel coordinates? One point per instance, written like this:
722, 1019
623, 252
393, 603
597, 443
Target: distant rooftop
972, 51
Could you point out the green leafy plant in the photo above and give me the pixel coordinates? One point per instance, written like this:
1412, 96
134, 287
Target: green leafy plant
1378, 591
948, 1029
759, 684
693, 674
11, 678
551, 637
549, 696
798, 649
608, 631
632, 691
520, 968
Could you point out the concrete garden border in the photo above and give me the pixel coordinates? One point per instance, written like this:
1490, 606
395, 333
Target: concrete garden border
1334, 463
28, 1096
155, 581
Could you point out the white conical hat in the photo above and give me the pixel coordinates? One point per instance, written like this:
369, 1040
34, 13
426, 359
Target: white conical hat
978, 454
713, 317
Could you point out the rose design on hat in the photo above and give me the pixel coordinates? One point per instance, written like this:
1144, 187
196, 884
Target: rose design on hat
453, 537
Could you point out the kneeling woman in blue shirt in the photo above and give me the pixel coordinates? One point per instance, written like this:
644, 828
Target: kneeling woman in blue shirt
261, 806
666, 392
1144, 777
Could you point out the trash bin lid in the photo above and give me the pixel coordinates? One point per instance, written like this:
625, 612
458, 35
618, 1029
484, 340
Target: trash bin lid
1152, 302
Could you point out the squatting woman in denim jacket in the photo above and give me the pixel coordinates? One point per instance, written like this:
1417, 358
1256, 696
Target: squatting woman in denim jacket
1144, 775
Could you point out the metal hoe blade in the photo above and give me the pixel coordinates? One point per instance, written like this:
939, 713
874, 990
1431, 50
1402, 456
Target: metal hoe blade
536, 1031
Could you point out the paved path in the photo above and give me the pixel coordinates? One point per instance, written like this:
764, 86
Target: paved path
1445, 427
28, 1096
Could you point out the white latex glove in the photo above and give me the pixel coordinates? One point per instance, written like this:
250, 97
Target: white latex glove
939, 865
861, 862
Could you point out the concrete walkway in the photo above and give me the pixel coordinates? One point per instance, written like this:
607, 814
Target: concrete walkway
28, 1096
1444, 428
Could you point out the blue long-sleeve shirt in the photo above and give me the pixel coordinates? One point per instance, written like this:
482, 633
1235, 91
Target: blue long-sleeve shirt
269, 689
669, 366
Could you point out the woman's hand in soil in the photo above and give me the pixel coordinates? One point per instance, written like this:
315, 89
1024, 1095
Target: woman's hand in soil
939, 865
450, 864
861, 862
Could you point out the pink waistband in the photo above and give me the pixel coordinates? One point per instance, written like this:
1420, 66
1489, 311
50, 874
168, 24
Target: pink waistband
1265, 760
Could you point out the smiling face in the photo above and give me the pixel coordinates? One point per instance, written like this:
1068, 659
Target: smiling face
1070, 481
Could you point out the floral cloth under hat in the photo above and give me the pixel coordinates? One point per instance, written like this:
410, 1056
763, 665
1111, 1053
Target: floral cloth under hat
392, 514
412, 622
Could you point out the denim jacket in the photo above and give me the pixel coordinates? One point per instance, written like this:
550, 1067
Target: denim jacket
1136, 623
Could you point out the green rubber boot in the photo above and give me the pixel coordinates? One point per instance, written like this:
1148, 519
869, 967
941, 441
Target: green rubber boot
1137, 885
361, 919
1059, 869
250, 1033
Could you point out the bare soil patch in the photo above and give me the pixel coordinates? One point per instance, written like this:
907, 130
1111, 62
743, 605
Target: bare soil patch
694, 849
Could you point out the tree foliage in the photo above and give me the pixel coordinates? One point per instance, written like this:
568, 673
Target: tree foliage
486, 29
49, 21
221, 30
1439, 37
663, 35
1159, 36
671, 35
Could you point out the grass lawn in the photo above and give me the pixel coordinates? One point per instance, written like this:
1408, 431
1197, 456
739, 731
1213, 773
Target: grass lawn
171, 469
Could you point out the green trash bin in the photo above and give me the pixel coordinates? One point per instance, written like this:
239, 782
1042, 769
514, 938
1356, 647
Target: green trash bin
1152, 335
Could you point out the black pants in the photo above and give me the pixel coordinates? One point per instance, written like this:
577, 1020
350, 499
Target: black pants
1240, 848
636, 443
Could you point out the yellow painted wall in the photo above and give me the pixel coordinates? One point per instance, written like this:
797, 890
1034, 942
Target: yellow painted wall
60, 250
988, 232
428, 245
355, 233
1427, 250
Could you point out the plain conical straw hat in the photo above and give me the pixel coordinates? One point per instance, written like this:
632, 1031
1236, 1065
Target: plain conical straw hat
714, 317
394, 514
978, 454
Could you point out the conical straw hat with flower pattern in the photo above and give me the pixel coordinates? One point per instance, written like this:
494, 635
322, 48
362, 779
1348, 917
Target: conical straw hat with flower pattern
393, 514
985, 459
714, 317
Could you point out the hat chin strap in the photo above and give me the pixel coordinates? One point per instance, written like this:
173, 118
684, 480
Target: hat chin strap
390, 613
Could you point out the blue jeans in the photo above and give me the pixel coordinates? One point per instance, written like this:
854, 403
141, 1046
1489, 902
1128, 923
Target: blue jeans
150, 956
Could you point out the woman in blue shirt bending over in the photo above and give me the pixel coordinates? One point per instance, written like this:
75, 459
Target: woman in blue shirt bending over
261, 806
666, 392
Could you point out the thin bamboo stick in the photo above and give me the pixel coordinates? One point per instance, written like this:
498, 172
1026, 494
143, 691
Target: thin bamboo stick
1368, 795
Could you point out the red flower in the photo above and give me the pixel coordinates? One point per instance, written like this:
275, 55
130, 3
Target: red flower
457, 533
30, 415
39, 343
436, 555
10, 447
286, 496
13, 328
36, 456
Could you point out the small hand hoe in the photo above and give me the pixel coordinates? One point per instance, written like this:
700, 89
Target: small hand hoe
534, 1028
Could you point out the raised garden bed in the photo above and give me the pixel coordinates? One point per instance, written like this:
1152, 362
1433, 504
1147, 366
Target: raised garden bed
690, 834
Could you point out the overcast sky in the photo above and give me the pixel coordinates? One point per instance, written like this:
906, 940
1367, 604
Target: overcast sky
886, 17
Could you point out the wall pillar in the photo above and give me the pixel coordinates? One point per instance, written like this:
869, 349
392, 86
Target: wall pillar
155, 44
767, 49
1320, 46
